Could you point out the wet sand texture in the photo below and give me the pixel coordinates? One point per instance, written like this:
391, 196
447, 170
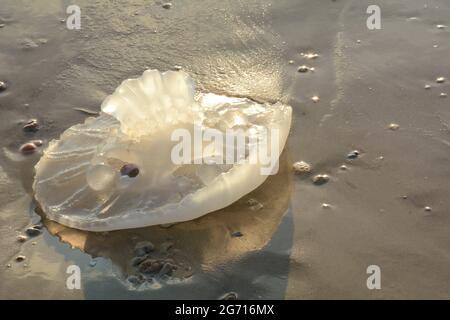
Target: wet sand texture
388, 206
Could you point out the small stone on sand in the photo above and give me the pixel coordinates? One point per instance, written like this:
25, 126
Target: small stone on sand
315, 99
32, 125
311, 55
237, 234
440, 80
33, 232
394, 126
22, 238
320, 179
353, 154
301, 167
303, 69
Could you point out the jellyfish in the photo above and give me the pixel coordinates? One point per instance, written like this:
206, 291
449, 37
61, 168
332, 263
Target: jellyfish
129, 168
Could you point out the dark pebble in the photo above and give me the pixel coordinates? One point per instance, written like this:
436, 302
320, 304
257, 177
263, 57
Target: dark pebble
237, 234
33, 232
353, 154
20, 258
31, 126
3, 86
130, 170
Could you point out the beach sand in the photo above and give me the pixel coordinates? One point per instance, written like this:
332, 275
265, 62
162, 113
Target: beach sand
293, 247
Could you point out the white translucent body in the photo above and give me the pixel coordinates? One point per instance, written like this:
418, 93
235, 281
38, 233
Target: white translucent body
78, 181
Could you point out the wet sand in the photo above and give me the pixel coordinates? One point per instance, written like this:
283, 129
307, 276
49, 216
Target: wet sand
293, 247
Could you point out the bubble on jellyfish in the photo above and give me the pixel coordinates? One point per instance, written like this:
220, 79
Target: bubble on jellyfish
117, 170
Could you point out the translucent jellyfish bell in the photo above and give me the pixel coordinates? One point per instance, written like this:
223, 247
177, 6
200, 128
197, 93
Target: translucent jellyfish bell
117, 171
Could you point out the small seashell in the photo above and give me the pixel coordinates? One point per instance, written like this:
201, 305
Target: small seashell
311, 55
28, 148
394, 126
315, 99
320, 179
353, 154
31, 126
303, 69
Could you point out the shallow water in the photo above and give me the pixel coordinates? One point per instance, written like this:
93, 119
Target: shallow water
292, 247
